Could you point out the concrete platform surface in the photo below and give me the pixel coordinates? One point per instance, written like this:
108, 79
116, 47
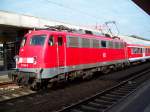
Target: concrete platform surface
4, 76
139, 101
4, 73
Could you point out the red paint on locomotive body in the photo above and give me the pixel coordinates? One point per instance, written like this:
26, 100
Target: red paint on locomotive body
61, 55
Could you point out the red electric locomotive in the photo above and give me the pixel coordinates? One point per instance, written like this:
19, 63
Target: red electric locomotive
50, 56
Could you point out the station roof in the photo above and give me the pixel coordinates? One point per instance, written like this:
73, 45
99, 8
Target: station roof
26, 21
144, 4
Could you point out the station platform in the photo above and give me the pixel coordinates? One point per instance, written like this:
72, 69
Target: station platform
139, 101
4, 76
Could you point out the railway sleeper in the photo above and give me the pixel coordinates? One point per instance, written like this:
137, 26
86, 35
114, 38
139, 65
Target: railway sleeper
118, 94
123, 91
108, 99
113, 96
126, 89
76, 110
99, 105
103, 101
86, 108
129, 85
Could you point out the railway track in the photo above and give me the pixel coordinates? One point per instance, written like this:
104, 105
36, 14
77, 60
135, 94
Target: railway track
23, 100
6, 84
106, 99
9, 90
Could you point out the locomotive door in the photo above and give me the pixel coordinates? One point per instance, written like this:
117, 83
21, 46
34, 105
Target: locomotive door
61, 51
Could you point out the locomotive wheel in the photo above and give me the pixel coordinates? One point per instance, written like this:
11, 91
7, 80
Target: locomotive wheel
106, 70
35, 86
44, 84
87, 75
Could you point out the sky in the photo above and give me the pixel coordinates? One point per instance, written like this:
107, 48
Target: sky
129, 18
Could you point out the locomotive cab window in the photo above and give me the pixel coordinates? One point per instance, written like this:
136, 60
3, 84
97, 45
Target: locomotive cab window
37, 40
60, 41
51, 41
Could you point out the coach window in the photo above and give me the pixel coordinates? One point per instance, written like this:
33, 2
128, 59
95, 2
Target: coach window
60, 41
51, 41
140, 50
135, 50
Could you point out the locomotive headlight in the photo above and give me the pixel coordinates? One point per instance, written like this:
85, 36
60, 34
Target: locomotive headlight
16, 58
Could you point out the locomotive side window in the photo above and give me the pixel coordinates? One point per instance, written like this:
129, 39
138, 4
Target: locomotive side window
73, 41
51, 41
85, 43
95, 43
121, 45
60, 41
110, 44
23, 41
37, 40
116, 45
103, 44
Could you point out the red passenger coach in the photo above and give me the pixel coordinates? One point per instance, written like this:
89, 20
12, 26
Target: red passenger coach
50, 56
138, 52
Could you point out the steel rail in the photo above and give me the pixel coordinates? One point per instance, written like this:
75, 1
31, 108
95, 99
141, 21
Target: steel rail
106, 99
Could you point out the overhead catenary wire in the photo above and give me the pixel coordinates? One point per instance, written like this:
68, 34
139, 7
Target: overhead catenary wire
77, 10
74, 9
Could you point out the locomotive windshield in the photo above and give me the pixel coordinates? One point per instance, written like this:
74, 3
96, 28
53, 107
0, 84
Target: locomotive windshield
37, 40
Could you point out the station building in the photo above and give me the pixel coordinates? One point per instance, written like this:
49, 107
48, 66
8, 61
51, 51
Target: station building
13, 27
